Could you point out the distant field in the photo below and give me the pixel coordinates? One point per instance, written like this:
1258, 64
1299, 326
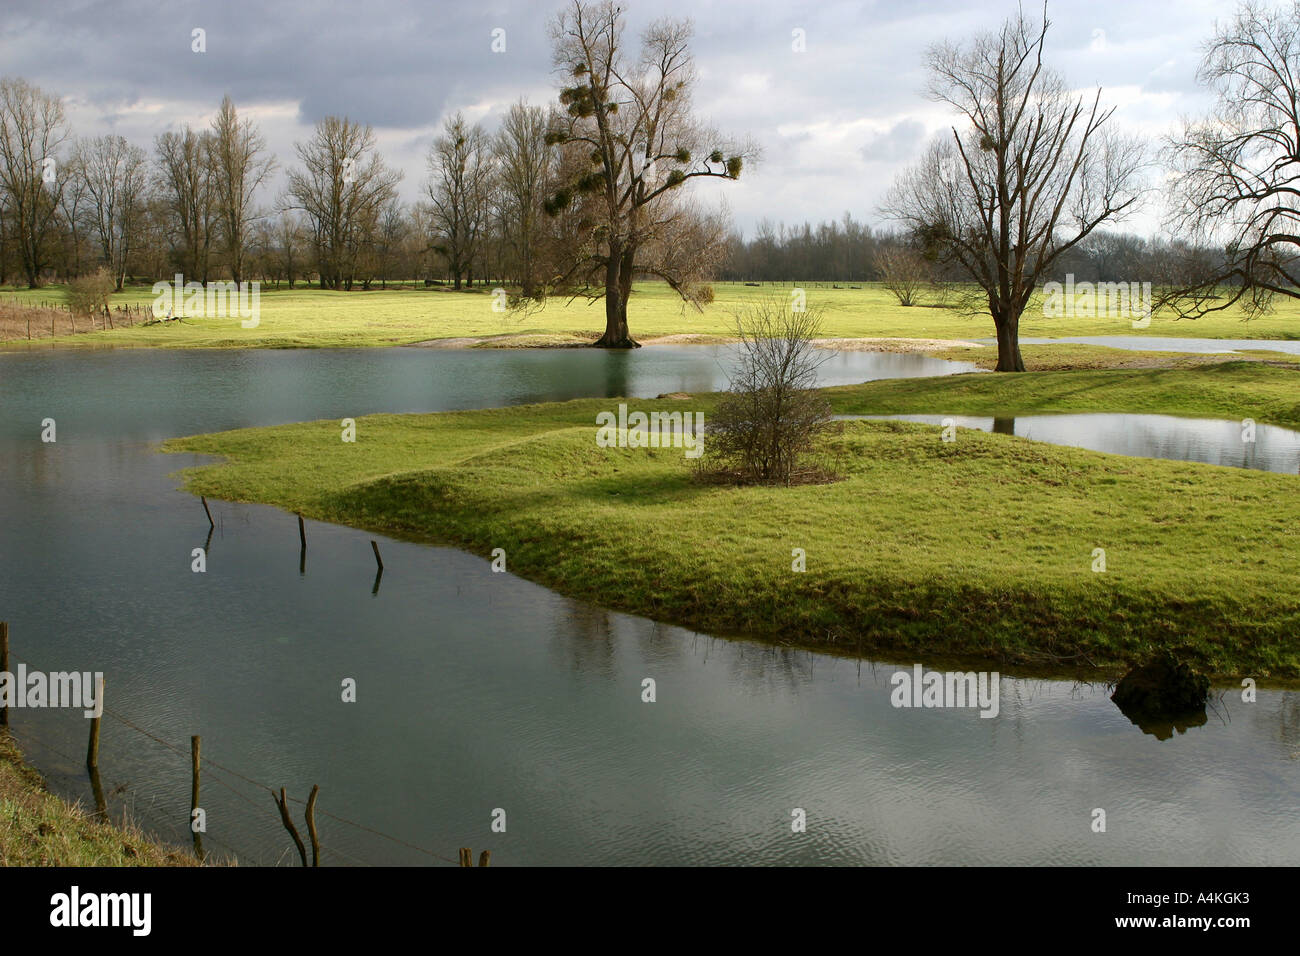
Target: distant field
319, 318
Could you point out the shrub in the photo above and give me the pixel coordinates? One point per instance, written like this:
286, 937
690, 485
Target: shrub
772, 413
91, 293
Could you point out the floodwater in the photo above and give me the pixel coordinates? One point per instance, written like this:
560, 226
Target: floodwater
481, 696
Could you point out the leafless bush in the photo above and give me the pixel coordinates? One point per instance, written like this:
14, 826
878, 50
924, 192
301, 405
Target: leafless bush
904, 272
772, 413
90, 294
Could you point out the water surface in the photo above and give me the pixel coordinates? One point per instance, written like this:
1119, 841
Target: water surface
479, 691
1208, 440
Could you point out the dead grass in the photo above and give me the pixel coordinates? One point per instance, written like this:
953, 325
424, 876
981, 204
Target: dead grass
38, 828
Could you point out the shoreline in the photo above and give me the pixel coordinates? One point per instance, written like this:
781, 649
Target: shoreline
40, 828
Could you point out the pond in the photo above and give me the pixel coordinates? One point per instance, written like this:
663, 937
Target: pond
479, 692
1208, 440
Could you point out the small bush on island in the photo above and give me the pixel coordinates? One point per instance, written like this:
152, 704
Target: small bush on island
770, 418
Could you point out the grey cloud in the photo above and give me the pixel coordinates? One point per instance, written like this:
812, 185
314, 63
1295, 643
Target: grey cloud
402, 66
901, 143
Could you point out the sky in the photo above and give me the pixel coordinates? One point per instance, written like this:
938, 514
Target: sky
835, 121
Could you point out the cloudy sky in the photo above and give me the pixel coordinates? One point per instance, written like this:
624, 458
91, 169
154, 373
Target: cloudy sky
835, 122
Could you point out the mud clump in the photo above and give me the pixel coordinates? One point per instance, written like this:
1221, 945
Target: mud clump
1163, 687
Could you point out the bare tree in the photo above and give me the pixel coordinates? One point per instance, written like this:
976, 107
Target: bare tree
72, 208
903, 271
772, 413
393, 230
1034, 171
459, 185
1238, 170
523, 163
32, 128
289, 241
341, 184
115, 174
239, 165
632, 138
185, 181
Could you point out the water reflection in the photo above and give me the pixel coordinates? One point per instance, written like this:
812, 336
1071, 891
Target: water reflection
1211, 441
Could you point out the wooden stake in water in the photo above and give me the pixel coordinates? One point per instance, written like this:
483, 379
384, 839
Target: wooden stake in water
92, 750
195, 744
282, 801
311, 825
4, 666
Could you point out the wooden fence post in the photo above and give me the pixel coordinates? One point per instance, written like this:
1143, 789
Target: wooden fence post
97, 790
92, 749
311, 825
195, 744
4, 666
282, 801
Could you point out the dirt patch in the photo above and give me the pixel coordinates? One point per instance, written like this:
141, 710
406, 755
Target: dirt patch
688, 338
894, 345
513, 340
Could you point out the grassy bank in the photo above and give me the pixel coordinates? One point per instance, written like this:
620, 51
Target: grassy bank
1224, 389
981, 548
39, 829
321, 318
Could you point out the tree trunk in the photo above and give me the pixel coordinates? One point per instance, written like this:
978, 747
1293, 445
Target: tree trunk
616, 335
1009, 359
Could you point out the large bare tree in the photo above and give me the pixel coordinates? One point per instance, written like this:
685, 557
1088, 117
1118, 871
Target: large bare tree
459, 189
1237, 170
1029, 173
523, 165
341, 185
32, 128
240, 164
184, 179
630, 139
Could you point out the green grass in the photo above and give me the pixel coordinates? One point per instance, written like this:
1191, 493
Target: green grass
321, 318
39, 829
977, 549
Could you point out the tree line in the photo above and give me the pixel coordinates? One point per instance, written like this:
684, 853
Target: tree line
850, 251
196, 202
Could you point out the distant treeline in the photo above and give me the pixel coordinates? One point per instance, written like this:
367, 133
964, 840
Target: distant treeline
847, 250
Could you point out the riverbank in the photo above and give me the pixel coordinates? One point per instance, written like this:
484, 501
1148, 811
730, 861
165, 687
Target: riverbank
979, 549
319, 318
38, 828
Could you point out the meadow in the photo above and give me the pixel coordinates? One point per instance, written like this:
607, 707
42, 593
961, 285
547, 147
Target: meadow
315, 318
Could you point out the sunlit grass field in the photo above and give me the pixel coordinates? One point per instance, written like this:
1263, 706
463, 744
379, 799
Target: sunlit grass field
309, 317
